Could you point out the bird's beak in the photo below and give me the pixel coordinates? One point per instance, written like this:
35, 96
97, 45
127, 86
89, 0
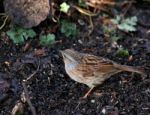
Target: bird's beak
68, 55
65, 54
62, 52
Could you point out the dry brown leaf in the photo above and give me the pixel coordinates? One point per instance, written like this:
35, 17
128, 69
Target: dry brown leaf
39, 52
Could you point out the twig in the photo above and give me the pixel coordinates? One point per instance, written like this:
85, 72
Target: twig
24, 82
2, 14
28, 98
18, 108
31, 76
91, 26
4, 23
128, 7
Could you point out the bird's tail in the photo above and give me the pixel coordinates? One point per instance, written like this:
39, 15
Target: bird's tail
139, 70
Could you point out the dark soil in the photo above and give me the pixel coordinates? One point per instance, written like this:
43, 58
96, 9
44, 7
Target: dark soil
51, 90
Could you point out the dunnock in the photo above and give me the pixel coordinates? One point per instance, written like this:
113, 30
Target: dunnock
92, 70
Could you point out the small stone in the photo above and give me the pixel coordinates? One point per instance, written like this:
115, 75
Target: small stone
81, 22
92, 101
110, 110
80, 41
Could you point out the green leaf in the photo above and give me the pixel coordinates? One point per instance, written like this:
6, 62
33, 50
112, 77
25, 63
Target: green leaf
126, 27
64, 7
16, 38
111, 32
132, 21
117, 20
121, 52
68, 28
127, 24
30, 33
18, 35
82, 3
114, 21
115, 38
47, 39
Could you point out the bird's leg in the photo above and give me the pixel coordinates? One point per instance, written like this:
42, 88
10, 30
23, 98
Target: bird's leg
87, 94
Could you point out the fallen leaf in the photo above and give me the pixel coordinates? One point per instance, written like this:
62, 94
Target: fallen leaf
39, 52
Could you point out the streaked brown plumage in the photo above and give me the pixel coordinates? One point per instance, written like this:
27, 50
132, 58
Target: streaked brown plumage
92, 70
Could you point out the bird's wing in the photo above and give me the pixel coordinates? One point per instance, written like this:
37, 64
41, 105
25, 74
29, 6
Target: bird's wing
91, 65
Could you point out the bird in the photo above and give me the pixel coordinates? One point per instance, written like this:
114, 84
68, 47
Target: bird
92, 70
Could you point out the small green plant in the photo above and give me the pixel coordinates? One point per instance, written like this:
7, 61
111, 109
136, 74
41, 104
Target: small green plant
64, 7
111, 32
127, 24
18, 35
115, 38
82, 3
68, 28
47, 39
121, 52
